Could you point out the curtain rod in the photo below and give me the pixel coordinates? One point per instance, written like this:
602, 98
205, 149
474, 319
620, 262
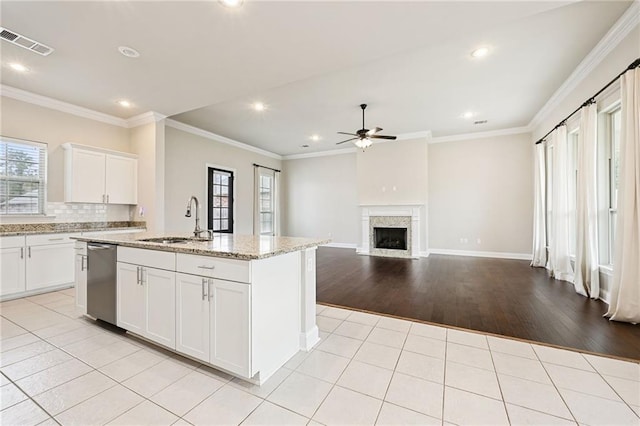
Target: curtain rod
592, 99
265, 167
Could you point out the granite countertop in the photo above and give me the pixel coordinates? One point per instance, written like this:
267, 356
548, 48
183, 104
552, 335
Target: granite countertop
13, 229
234, 246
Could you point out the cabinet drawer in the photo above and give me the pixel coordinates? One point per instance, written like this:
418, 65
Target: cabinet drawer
47, 239
151, 258
11, 242
215, 267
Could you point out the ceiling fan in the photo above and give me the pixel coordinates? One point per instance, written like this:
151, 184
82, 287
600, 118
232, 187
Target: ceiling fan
363, 136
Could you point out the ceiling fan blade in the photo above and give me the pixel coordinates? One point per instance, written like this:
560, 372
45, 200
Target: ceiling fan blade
348, 140
350, 134
383, 137
374, 131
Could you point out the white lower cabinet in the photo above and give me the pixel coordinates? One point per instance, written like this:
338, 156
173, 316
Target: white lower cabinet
12, 265
35, 263
160, 305
49, 265
130, 298
81, 276
146, 302
192, 316
231, 345
213, 320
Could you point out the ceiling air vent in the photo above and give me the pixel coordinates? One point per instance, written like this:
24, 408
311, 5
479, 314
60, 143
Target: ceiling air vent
480, 122
24, 42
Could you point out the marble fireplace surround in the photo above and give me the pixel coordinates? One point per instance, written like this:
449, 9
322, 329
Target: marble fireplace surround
407, 216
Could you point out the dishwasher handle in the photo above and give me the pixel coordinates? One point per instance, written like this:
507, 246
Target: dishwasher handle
98, 247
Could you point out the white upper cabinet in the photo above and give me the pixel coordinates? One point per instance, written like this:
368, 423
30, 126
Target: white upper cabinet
93, 175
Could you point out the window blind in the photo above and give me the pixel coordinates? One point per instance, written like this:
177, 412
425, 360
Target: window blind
23, 172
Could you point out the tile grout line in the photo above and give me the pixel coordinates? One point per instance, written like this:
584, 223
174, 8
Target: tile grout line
555, 387
495, 372
444, 377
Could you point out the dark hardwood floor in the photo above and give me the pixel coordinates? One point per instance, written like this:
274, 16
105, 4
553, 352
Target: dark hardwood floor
499, 296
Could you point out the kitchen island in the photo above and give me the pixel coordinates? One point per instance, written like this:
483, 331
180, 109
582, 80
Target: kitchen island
240, 303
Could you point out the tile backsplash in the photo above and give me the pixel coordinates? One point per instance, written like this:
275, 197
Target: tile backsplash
78, 212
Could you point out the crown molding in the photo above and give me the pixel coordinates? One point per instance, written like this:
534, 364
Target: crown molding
212, 136
320, 153
145, 118
481, 135
623, 26
415, 135
44, 101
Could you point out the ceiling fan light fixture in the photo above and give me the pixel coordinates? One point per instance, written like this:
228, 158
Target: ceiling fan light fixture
363, 143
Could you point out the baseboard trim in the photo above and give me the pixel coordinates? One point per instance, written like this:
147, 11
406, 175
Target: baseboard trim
309, 339
341, 245
494, 254
424, 253
605, 296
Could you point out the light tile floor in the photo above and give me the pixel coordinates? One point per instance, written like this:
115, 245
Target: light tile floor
58, 367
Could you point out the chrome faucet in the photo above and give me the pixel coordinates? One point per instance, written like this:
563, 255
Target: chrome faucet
197, 231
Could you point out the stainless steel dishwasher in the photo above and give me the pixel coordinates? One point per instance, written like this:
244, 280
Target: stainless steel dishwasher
101, 281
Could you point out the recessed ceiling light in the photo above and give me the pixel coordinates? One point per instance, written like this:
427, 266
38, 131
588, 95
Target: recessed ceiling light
315, 138
480, 52
232, 3
124, 103
129, 52
18, 67
259, 106
468, 114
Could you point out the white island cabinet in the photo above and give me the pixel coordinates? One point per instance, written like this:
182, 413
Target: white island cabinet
244, 304
146, 294
241, 316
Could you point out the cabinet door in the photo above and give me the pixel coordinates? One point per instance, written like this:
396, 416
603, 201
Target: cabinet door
50, 265
87, 174
230, 322
81, 283
130, 299
121, 179
160, 306
12, 265
192, 316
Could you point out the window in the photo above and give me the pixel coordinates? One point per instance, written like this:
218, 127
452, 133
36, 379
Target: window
220, 190
613, 127
23, 171
266, 203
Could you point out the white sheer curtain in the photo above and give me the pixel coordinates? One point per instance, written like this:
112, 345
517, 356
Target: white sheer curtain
559, 262
625, 288
587, 275
539, 208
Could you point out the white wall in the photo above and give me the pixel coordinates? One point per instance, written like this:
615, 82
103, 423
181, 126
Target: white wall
28, 121
186, 157
23, 120
322, 198
148, 142
482, 189
396, 173
627, 51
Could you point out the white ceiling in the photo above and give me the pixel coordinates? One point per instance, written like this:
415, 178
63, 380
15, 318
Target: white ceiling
312, 63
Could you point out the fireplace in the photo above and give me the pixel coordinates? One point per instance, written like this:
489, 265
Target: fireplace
390, 238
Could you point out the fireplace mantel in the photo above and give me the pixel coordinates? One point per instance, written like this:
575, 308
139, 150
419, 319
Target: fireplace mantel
411, 211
